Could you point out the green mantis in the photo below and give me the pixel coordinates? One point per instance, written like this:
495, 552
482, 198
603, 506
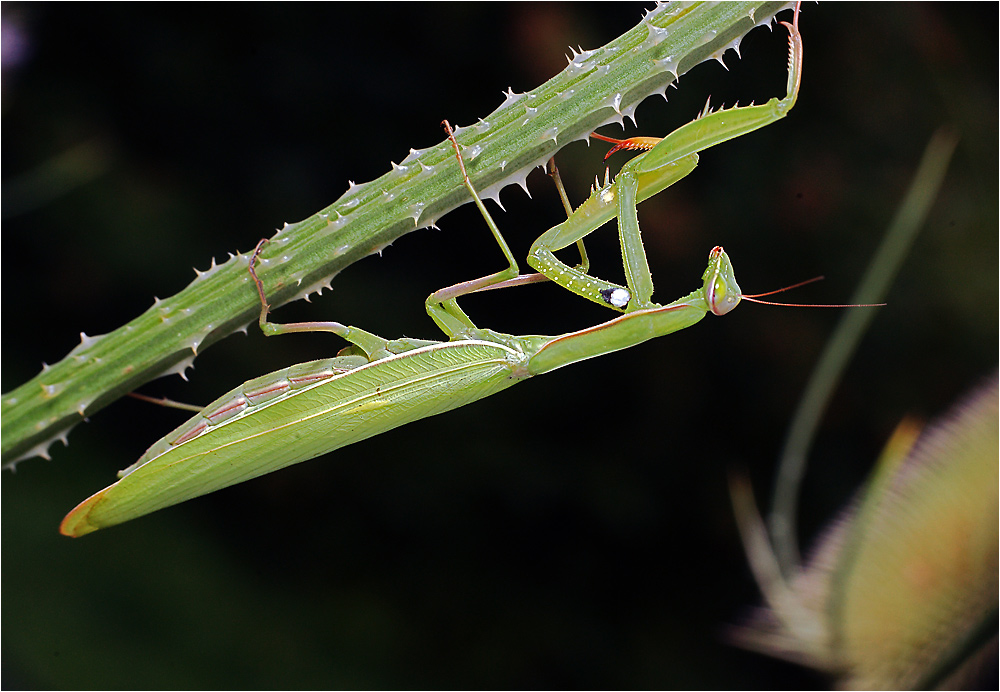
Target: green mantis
375, 385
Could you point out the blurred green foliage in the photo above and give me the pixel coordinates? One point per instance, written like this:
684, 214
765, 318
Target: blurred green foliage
531, 539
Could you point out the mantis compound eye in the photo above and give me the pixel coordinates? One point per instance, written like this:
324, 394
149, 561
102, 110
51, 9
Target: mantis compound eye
721, 299
721, 290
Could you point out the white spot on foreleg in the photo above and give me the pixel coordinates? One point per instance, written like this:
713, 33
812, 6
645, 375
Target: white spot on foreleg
617, 297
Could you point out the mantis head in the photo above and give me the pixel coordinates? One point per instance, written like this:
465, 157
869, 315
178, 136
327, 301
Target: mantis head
722, 293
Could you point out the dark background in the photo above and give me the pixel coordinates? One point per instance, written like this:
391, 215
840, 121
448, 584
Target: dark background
574, 531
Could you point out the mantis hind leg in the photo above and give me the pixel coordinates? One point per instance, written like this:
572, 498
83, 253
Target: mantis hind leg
369, 345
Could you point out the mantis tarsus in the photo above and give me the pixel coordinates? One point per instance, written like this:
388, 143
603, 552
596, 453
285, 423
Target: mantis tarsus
375, 385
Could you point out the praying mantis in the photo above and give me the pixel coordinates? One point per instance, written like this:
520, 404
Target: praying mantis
375, 385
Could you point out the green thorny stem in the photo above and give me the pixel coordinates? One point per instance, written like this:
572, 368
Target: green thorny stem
596, 88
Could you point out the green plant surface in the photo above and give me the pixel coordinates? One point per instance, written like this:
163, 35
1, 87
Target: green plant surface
597, 87
543, 549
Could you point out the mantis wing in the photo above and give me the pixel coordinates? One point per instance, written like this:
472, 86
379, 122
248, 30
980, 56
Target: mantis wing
293, 415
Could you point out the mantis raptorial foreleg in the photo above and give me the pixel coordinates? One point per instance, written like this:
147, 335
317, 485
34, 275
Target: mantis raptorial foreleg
668, 160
